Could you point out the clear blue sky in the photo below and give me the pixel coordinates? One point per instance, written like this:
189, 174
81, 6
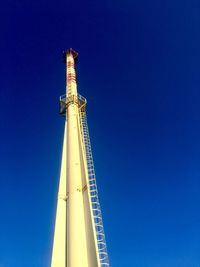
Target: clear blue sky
139, 70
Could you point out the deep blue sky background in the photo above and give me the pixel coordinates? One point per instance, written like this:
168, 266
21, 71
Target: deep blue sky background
139, 70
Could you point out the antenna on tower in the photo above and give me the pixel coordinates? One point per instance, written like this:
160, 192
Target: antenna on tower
70, 51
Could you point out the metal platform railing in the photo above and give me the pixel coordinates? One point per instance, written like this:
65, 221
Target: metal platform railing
75, 99
96, 209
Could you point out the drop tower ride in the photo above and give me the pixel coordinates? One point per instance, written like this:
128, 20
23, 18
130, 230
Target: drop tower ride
79, 239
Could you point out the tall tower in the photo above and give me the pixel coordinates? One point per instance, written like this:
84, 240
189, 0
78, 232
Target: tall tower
79, 239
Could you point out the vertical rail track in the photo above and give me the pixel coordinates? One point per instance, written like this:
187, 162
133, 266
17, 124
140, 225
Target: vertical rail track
96, 209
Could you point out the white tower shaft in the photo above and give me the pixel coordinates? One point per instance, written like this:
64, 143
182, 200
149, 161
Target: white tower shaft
76, 236
77, 242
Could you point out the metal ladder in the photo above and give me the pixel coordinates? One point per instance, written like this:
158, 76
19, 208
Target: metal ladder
96, 209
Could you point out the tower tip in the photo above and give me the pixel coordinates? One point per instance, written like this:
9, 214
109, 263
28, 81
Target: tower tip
72, 52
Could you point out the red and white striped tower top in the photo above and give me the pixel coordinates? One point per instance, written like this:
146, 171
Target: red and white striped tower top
71, 87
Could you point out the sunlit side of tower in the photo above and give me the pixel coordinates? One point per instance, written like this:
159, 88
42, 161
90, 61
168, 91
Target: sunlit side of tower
79, 239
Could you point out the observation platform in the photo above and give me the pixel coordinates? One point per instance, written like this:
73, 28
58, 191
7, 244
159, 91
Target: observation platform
66, 101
